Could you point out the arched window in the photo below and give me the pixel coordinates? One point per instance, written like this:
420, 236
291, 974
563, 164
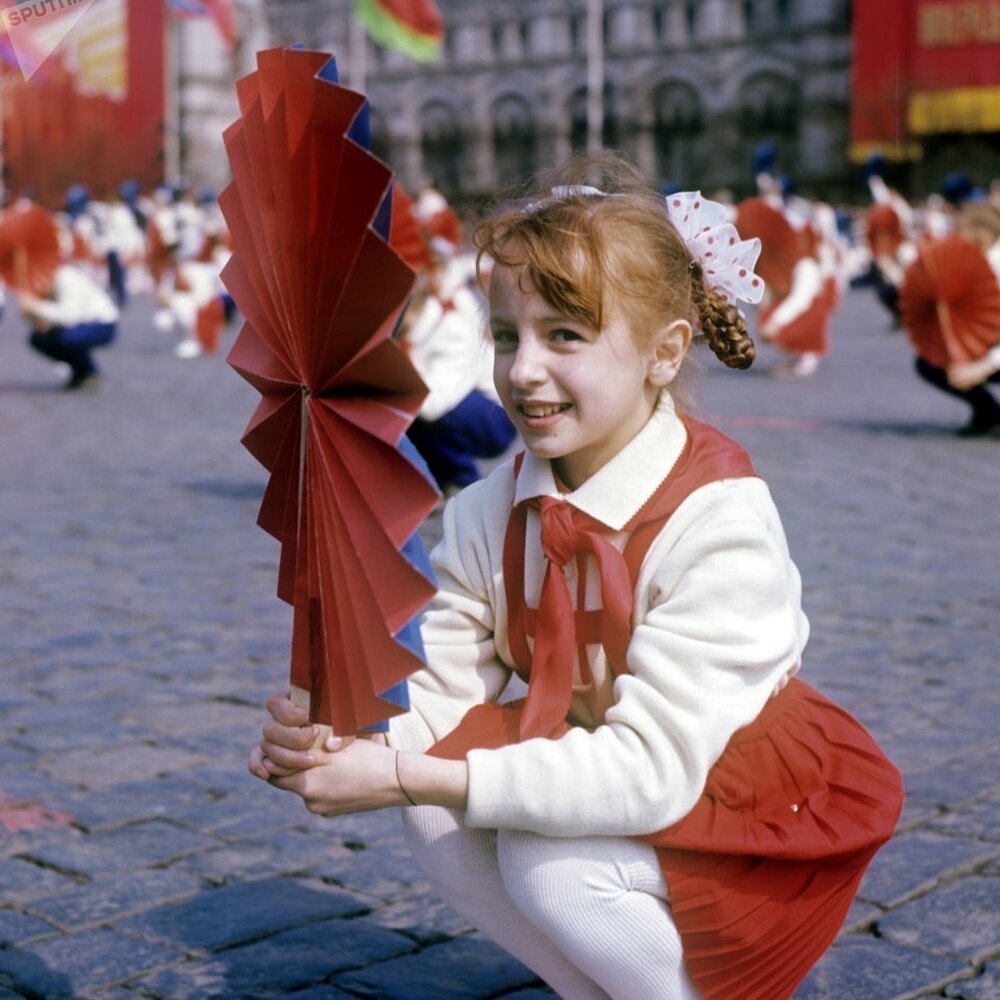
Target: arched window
442, 148
610, 131
678, 122
691, 18
514, 140
768, 111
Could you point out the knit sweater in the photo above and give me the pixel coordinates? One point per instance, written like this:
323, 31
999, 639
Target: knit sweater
719, 629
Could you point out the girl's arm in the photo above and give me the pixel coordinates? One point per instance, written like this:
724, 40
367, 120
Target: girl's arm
463, 670
720, 627
350, 775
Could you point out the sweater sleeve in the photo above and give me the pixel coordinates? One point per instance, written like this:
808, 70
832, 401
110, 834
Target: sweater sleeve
458, 629
720, 626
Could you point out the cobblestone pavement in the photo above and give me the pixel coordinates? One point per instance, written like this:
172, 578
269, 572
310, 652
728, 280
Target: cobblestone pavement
141, 636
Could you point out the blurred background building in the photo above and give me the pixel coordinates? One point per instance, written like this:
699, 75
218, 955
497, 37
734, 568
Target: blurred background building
687, 88
690, 87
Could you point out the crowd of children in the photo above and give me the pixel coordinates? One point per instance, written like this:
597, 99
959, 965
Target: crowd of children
168, 244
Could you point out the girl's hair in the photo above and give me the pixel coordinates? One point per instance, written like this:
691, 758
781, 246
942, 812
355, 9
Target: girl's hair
583, 252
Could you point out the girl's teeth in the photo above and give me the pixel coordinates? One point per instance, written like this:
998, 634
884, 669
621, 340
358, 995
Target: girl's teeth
541, 411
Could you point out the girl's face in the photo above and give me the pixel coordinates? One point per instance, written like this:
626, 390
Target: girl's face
576, 395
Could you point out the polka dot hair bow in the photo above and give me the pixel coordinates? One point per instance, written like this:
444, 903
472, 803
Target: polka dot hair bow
726, 261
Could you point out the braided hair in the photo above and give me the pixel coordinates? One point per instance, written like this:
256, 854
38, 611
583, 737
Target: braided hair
585, 247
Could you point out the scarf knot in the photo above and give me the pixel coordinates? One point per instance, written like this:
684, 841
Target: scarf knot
559, 537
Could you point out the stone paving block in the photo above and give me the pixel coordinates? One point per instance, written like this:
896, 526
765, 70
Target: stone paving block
58, 968
280, 964
465, 968
21, 880
234, 778
233, 816
953, 783
32, 786
977, 819
387, 870
13, 756
279, 852
985, 986
196, 717
422, 916
230, 915
962, 918
913, 860
166, 798
868, 969
137, 846
111, 897
17, 927
120, 764
322, 992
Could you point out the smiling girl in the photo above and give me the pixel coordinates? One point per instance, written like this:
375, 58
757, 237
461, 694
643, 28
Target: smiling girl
669, 812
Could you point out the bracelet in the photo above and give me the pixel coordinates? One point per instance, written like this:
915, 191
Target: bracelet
400, 782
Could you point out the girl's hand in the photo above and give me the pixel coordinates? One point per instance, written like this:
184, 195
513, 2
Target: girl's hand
358, 777
289, 741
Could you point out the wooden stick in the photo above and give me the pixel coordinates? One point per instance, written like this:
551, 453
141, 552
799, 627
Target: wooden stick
300, 699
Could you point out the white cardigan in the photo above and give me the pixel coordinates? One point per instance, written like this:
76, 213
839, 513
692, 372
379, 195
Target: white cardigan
720, 630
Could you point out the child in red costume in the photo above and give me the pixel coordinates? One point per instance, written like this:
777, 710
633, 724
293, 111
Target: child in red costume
669, 812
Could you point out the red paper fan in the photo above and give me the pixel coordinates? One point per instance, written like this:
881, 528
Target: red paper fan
405, 234
322, 293
779, 243
883, 230
29, 248
949, 301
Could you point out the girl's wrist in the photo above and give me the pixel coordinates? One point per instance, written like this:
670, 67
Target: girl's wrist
426, 781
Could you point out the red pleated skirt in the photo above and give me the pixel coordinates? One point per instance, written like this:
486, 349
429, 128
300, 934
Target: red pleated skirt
809, 332
763, 870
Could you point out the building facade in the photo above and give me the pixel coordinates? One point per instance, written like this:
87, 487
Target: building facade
690, 88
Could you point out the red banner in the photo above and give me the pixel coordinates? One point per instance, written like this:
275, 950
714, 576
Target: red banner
922, 67
94, 113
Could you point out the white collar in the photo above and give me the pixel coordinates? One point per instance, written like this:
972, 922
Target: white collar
616, 492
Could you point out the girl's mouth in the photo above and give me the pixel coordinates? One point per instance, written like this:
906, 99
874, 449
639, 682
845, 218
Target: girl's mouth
542, 411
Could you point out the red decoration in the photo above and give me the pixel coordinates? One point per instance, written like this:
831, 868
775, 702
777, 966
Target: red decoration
322, 293
29, 248
780, 248
949, 302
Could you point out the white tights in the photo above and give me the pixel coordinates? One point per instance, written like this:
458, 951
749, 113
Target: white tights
588, 915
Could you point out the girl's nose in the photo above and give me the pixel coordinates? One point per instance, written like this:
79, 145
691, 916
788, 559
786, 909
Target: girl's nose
527, 368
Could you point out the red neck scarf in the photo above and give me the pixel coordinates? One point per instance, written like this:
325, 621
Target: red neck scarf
566, 533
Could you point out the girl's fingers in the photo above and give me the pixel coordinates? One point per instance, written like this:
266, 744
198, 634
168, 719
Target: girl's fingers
285, 713
291, 737
293, 760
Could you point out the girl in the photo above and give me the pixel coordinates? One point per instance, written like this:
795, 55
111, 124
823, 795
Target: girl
669, 812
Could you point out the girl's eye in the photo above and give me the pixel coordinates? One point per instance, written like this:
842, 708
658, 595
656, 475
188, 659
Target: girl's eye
504, 337
565, 335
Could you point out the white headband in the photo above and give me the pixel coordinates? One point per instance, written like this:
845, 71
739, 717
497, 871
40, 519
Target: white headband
726, 260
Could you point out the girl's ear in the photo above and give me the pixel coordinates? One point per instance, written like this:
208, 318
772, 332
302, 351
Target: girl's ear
670, 344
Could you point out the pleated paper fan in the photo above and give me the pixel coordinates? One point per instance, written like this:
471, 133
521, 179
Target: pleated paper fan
406, 236
883, 230
779, 243
322, 293
29, 248
949, 301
